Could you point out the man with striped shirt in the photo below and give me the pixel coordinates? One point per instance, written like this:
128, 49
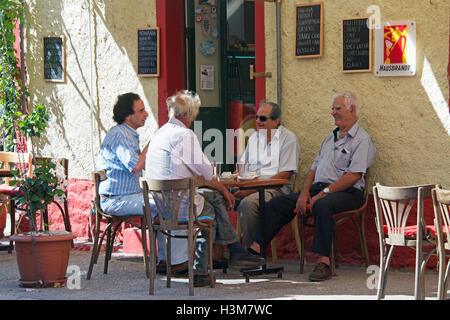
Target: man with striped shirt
120, 156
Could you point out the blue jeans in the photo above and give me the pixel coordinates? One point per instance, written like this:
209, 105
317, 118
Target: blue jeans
223, 230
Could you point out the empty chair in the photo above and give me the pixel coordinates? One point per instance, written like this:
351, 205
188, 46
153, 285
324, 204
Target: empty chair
112, 225
167, 196
441, 205
13, 161
393, 206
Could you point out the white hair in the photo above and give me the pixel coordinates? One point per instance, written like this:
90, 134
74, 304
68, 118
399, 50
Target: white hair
349, 99
183, 104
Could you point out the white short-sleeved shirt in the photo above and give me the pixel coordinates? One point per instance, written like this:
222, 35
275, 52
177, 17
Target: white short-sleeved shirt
175, 153
281, 154
355, 153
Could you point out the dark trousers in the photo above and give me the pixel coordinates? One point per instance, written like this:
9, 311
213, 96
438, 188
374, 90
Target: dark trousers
280, 211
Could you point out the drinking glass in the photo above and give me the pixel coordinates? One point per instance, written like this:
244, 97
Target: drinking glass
217, 169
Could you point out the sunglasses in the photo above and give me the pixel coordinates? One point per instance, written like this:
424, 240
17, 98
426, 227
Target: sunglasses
263, 118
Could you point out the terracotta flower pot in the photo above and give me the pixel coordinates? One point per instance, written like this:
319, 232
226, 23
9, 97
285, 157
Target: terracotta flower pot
53, 256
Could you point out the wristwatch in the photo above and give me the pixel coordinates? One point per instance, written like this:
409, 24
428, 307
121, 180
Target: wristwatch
326, 190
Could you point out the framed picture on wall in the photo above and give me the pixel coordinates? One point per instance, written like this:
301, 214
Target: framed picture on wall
54, 53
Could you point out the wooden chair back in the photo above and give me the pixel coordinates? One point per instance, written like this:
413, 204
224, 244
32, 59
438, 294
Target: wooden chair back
168, 196
97, 177
441, 205
16, 161
393, 206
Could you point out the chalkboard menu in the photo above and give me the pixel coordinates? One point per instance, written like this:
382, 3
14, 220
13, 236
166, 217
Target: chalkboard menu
309, 30
148, 52
356, 45
54, 58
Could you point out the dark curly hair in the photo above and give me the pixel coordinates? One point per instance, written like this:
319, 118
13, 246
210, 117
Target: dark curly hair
124, 106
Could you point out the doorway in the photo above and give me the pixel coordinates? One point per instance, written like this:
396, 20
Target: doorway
220, 52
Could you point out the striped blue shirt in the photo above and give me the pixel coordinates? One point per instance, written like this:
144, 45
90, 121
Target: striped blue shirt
118, 156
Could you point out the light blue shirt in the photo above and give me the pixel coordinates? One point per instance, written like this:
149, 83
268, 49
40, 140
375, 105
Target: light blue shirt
118, 156
354, 153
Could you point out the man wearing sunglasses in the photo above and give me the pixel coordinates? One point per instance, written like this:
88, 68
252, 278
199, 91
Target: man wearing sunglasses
271, 151
334, 183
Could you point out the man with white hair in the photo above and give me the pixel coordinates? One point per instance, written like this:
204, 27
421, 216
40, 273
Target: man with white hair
174, 152
334, 183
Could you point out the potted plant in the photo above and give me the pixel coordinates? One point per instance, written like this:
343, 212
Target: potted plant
42, 256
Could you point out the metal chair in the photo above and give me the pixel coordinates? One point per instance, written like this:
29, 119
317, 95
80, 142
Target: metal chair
168, 195
441, 205
393, 206
16, 161
340, 217
112, 225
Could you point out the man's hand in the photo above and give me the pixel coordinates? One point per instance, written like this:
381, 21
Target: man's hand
302, 202
241, 194
321, 194
229, 199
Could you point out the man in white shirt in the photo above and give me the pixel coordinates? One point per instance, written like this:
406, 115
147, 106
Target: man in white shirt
271, 151
174, 152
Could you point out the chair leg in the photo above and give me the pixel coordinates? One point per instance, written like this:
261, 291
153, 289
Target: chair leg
384, 268
273, 245
302, 242
333, 256
211, 267
95, 250
152, 261
12, 213
144, 245
191, 247
445, 284
296, 232
108, 247
169, 260
418, 272
363, 241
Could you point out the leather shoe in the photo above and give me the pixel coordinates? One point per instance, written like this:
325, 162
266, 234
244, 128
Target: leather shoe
202, 280
246, 260
176, 269
321, 272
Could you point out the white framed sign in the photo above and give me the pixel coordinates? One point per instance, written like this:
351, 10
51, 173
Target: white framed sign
395, 48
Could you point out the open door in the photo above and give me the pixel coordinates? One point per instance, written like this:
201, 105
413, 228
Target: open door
222, 50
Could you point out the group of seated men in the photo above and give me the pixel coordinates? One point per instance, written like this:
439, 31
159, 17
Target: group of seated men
334, 183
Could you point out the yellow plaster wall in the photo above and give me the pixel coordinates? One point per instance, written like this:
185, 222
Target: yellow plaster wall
413, 143
77, 125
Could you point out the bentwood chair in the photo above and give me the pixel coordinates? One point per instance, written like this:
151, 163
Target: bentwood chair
340, 217
113, 223
13, 161
167, 196
441, 205
393, 206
